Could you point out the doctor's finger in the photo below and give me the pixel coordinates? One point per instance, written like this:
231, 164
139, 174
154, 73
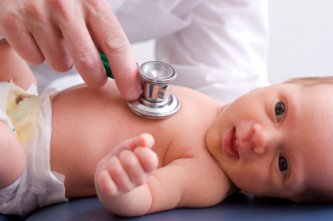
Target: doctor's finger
23, 43
110, 37
53, 47
71, 22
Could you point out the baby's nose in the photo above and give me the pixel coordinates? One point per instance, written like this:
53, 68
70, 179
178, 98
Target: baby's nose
263, 138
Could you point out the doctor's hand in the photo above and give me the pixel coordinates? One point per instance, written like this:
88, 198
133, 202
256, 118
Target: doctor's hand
67, 33
128, 166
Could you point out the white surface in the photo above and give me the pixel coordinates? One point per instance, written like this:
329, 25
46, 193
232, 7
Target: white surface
301, 38
301, 33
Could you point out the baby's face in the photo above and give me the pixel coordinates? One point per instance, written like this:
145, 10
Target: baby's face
277, 141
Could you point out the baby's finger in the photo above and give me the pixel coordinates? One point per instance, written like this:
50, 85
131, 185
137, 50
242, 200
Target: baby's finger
133, 167
147, 158
119, 175
105, 183
143, 140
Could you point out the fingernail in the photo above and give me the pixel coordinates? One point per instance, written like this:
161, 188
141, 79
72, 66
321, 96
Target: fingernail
149, 139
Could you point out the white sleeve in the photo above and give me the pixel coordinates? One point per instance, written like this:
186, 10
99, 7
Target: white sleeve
216, 46
223, 51
116, 4
151, 19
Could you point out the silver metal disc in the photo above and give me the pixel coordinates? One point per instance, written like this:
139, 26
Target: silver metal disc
155, 110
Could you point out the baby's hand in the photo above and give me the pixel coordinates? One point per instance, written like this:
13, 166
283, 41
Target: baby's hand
129, 165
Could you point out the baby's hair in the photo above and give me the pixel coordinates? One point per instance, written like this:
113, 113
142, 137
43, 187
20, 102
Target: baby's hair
313, 195
311, 81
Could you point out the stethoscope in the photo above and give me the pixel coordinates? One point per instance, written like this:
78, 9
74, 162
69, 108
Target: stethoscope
156, 100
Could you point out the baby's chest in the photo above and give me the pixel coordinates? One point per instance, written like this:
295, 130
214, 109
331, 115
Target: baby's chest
178, 149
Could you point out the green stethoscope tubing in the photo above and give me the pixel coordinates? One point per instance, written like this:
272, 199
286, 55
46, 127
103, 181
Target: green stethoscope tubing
106, 64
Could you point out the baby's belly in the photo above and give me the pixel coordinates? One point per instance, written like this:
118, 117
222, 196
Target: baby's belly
86, 126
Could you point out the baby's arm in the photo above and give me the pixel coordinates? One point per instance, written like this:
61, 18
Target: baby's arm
14, 68
182, 183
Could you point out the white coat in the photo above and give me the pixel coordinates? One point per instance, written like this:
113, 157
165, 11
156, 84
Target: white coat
217, 47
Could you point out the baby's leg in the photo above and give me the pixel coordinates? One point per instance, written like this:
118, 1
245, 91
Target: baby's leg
129, 165
12, 156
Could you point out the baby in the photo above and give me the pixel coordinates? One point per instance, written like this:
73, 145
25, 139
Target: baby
275, 141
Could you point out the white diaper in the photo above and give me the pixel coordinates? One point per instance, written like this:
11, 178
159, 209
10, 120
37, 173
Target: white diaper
38, 186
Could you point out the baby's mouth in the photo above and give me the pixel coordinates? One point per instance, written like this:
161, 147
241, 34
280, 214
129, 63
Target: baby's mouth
229, 144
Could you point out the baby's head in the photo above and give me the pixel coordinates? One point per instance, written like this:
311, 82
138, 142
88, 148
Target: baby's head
278, 141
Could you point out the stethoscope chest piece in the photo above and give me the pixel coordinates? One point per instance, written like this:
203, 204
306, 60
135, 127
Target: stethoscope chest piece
156, 100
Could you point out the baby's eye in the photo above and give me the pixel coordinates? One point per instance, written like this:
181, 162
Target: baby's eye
283, 164
280, 111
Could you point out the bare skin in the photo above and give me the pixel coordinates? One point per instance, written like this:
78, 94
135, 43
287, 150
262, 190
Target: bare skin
166, 161
76, 150
275, 141
67, 33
